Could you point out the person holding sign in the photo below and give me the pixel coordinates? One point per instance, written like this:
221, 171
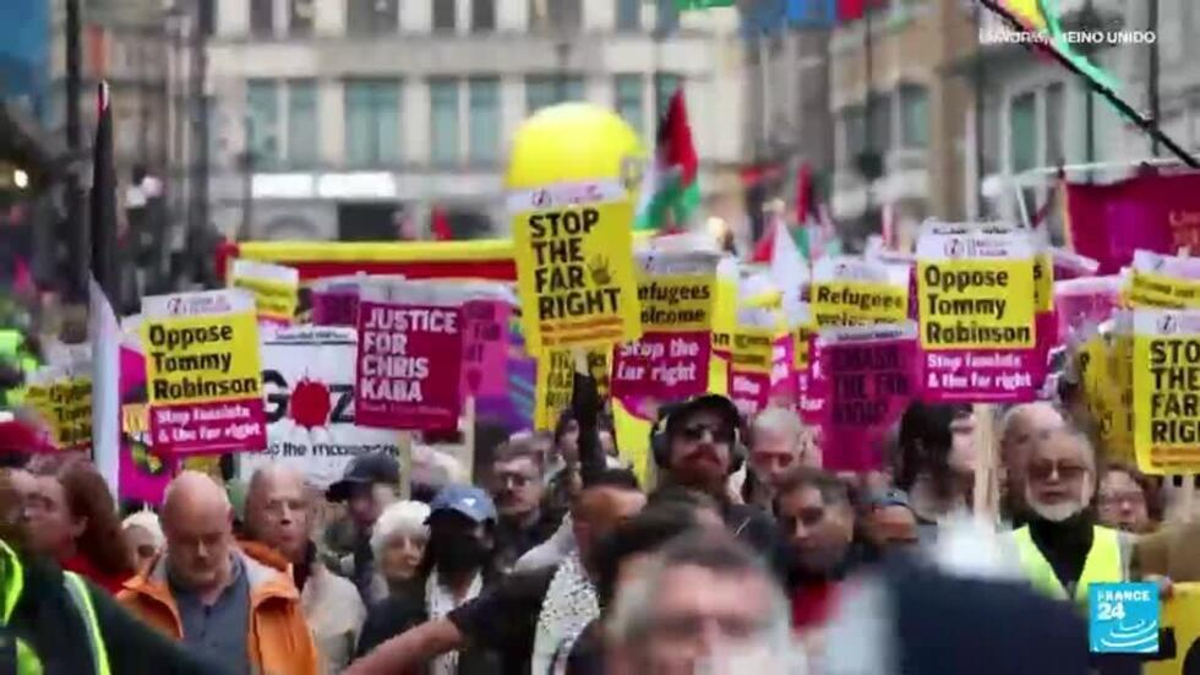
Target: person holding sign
696, 445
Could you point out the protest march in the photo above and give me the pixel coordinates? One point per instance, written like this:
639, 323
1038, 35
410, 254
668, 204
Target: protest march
614, 438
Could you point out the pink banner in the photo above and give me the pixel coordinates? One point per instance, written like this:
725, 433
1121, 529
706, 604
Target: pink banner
409, 370
994, 376
811, 385
662, 366
485, 348
142, 476
209, 428
1085, 301
783, 376
1152, 212
336, 306
869, 382
749, 391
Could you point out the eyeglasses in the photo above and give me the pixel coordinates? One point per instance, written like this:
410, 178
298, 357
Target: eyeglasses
1132, 497
515, 480
1066, 471
696, 432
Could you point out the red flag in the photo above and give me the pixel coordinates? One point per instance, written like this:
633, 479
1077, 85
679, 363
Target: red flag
804, 186
440, 225
851, 10
765, 248
675, 140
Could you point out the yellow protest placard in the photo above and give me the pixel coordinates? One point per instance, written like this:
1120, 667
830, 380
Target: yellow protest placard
1166, 390
555, 376
1180, 616
572, 178
975, 291
725, 308
202, 358
851, 292
64, 404
276, 288
1043, 282
575, 273
203, 372
1163, 281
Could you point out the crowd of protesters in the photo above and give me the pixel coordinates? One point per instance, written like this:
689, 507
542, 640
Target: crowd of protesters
745, 555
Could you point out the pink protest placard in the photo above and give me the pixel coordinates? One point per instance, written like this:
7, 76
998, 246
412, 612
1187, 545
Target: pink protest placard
662, 366
783, 376
142, 475
409, 366
871, 375
749, 391
485, 348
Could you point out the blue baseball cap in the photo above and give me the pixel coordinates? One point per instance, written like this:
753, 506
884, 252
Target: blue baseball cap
468, 500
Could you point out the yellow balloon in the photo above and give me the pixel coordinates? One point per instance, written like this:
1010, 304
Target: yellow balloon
574, 142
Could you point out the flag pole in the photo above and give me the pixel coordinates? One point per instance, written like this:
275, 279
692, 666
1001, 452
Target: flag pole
1148, 126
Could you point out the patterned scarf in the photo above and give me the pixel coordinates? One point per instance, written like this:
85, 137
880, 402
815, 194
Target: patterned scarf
439, 602
570, 605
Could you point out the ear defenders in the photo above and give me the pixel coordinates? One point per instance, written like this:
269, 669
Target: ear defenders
660, 440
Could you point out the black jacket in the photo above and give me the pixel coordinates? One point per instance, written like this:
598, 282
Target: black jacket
47, 620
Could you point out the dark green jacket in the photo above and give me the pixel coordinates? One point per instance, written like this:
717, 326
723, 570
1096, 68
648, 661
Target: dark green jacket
46, 619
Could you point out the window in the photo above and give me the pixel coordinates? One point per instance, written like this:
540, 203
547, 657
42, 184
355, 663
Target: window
483, 16
262, 121
208, 17
443, 99
300, 17
854, 130
665, 85
303, 129
629, 15
881, 123
544, 90
372, 122
1054, 124
629, 101
914, 116
666, 17
445, 16
372, 17
1022, 130
484, 120
262, 17
565, 14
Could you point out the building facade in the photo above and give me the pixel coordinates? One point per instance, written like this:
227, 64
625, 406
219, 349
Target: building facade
900, 116
347, 119
1037, 115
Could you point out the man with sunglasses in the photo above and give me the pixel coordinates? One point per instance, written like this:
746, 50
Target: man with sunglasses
1061, 548
696, 446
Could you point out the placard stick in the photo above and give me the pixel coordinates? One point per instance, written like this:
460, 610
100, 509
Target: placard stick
1189, 496
468, 436
404, 444
986, 493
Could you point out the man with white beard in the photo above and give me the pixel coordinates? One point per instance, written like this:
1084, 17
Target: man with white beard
1061, 548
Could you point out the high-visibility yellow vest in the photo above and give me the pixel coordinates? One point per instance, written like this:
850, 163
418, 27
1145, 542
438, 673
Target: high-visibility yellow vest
12, 585
1103, 565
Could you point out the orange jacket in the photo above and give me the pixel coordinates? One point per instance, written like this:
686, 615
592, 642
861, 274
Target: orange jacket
279, 641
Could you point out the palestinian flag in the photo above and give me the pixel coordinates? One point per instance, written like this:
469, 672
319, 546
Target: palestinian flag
670, 189
1043, 19
104, 331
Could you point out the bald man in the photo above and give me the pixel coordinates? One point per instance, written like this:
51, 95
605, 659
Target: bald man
217, 600
279, 509
1021, 427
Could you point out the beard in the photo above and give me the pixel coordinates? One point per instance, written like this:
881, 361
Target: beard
1063, 511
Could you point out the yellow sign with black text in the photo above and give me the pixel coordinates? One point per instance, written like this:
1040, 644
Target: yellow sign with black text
575, 276
1166, 390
